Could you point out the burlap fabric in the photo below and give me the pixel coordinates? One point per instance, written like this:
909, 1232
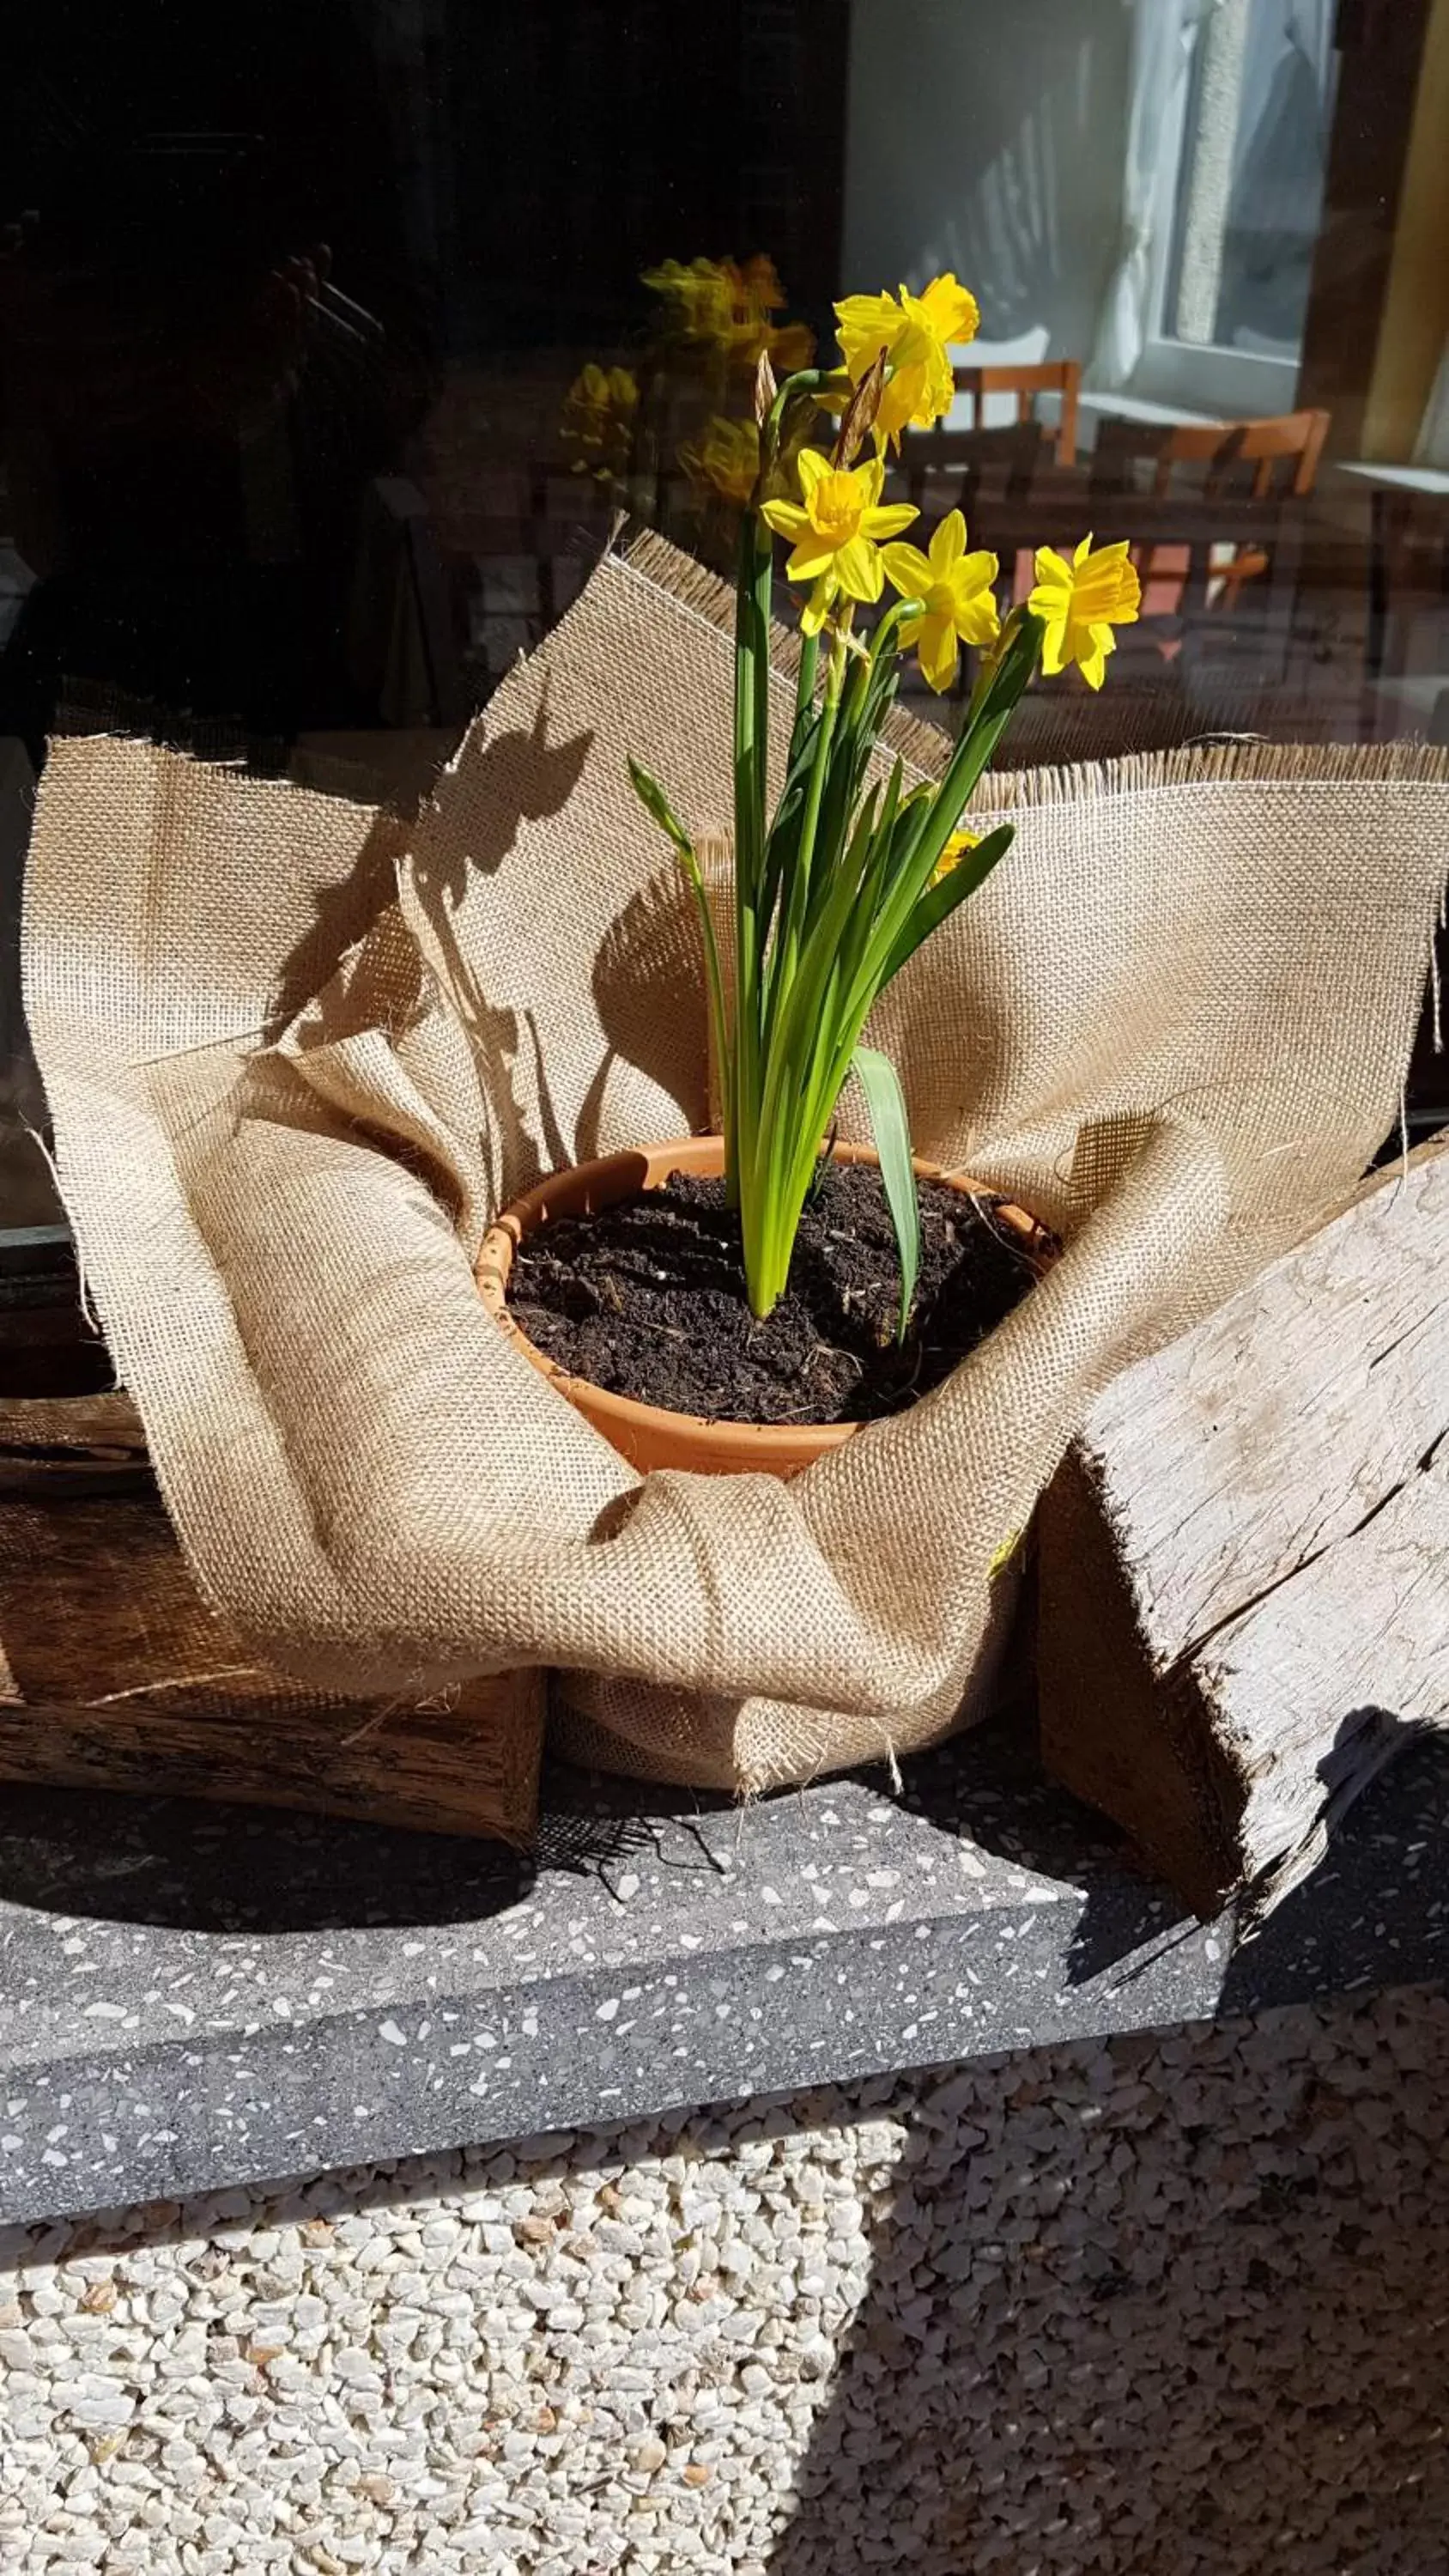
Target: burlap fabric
297, 1056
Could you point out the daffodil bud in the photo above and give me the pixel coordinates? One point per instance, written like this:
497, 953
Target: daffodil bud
860, 412
652, 797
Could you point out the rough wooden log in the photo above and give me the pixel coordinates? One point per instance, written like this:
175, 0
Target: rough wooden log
115, 1674
1245, 1557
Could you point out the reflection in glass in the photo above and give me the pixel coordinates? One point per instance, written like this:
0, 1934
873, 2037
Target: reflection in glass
334, 341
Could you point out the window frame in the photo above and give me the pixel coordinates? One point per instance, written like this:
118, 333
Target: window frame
1202, 376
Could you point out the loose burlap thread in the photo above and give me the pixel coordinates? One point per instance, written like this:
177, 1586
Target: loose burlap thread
298, 1053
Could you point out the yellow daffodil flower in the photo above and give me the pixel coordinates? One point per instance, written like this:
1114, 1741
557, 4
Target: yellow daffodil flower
953, 853
836, 528
916, 333
954, 599
598, 419
727, 460
1080, 602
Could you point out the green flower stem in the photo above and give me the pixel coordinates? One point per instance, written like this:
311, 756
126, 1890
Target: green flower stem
797, 894
805, 682
806, 380
790, 1129
719, 1016
769, 1226
937, 820
752, 626
763, 577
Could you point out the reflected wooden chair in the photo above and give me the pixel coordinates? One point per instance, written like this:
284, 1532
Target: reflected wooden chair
966, 469
1213, 507
1408, 582
990, 462
1059, 376
1222, 449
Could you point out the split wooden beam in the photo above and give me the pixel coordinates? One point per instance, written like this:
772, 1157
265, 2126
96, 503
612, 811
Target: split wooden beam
115, 1674
1245, 1556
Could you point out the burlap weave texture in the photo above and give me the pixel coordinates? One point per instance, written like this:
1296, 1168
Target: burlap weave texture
297, 1055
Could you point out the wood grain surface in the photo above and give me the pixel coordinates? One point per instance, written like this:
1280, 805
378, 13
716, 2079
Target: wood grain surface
1245, 1557
115, 1674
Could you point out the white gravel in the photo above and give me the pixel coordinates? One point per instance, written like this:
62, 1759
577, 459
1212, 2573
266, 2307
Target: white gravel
1168, 2306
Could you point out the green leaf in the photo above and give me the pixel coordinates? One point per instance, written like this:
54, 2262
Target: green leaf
886, 1103
652, 797
874, 881
986, 723
784, 834
971, 870
929, 827
1005, 1552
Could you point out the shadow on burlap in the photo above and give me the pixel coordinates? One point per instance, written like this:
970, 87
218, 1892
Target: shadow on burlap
298, 1053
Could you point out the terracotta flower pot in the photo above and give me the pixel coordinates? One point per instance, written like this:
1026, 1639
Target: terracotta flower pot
646, 1434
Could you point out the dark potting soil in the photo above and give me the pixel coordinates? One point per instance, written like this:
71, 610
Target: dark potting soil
648, 1300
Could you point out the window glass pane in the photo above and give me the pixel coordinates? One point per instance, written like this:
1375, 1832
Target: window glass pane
1251, 174
333, 341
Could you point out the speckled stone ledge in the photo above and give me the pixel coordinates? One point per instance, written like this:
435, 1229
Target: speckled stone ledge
192, 1998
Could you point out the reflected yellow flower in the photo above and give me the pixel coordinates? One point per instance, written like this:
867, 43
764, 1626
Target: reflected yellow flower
1080, 602
727, 459
789, 346
758, 283
755, 294
917, 333
720, 304
953, 595
597, 421
836, 529
696, 297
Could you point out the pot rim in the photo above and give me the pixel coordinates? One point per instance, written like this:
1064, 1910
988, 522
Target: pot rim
601, 1183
